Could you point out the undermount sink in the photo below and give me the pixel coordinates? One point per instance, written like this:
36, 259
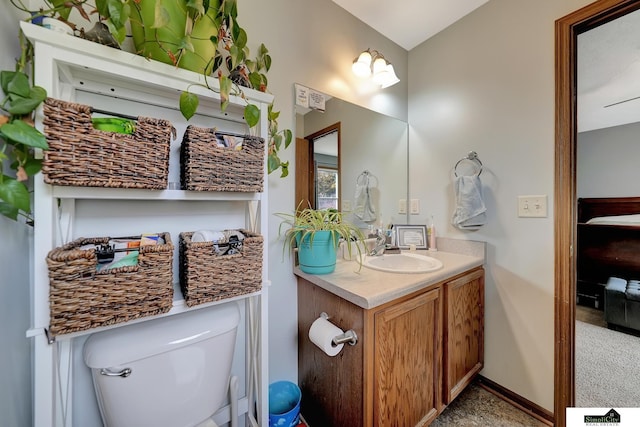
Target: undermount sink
402, 263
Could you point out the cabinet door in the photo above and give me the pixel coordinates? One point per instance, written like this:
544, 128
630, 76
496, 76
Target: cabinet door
407, 361
464, 331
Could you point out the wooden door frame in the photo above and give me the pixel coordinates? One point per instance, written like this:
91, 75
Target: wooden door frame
336, 127
565, 200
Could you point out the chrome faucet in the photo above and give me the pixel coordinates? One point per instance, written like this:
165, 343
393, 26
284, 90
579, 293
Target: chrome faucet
381, 243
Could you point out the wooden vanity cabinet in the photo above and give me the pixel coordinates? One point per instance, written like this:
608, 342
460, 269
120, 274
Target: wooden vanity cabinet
410, 360
407, 361
464, 332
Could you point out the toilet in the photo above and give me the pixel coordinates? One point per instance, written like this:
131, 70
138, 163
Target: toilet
168, 372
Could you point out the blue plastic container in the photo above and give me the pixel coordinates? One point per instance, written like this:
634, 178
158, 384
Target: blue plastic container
284, 404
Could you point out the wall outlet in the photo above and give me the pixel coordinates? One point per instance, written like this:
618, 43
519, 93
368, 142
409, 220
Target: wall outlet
532, 206
346, 206
402, 206
414, 209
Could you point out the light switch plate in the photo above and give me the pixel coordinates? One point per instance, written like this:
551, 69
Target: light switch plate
532, 206
346, 205
414, 209
402, 206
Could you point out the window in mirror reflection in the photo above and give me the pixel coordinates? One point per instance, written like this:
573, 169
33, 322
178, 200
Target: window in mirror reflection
327, 188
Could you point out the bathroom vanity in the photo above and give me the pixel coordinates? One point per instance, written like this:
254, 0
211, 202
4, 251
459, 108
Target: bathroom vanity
420, 342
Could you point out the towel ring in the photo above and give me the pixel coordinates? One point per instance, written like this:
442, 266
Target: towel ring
472, 157
360, 180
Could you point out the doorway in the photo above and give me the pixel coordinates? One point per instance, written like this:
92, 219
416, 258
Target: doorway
567, 29
318, 178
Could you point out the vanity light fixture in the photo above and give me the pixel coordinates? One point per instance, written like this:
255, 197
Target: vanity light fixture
372, 63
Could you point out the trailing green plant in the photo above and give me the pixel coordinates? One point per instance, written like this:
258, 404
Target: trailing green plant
305, 223
169, 40
18, 137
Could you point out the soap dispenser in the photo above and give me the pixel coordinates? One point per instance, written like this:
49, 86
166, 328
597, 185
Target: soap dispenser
431, 232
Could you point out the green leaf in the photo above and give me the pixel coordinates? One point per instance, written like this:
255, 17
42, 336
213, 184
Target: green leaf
225, 91
117, 13
161, 16
188, 104
230, 8
19, 131
273, 162
19, 85
277, 141
285, 169
197, 6
236, 56
288, 137
251, 115
32, 166
186, 43
15, 193
9, 211
21, 106
241, 38
267, 62
256, 80
262, 50
273, 115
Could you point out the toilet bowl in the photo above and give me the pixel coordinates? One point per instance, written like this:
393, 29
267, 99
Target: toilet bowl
168, 372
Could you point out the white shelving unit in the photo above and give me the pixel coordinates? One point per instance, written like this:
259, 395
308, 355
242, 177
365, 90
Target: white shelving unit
76, 70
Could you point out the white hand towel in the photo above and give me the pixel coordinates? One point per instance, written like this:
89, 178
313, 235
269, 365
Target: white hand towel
363, 207
470, 210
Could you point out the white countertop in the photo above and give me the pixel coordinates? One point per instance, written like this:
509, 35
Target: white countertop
370, 288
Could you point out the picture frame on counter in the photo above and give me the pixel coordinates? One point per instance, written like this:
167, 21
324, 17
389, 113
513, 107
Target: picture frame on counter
407, 235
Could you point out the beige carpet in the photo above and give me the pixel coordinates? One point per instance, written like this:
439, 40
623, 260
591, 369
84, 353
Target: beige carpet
607, 367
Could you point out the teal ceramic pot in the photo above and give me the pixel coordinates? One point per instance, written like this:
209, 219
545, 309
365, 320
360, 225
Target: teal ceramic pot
317, 256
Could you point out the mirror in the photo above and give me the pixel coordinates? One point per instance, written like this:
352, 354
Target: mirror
341, 148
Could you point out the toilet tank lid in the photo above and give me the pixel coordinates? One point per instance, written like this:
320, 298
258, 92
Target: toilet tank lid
129, 343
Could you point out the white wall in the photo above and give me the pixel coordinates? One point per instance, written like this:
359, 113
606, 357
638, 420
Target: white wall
607, 162
15, 352
487, 84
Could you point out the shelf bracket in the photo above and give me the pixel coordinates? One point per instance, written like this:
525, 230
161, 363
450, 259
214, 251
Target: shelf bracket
51, 339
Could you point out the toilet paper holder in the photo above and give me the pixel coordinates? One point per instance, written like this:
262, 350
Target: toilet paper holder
348, 337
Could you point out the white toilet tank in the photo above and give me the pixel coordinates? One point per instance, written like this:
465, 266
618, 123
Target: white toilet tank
174, 371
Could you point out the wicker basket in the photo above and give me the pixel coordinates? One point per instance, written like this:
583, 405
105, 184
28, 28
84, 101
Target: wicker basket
207, 167
206, 277
80, 155
82, 298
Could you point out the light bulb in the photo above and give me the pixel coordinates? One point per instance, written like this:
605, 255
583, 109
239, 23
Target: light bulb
380, 72
362, 65
391, 78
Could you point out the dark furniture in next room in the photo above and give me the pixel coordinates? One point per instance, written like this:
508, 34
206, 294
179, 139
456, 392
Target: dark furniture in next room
606, 247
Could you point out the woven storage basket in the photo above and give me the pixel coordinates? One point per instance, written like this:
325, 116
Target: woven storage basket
81, 298
80, 155
206, 277
207, 167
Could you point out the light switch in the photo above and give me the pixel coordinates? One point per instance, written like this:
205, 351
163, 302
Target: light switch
532, 206
402, 206
346, 206
414, 209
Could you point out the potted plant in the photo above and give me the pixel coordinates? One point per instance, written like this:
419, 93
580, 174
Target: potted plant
317, 234
201, 36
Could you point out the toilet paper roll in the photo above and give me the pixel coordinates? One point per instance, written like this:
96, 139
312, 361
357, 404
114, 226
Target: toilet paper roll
207, 236
322, 333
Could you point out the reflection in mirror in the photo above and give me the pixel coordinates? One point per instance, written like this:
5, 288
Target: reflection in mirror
361, 141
